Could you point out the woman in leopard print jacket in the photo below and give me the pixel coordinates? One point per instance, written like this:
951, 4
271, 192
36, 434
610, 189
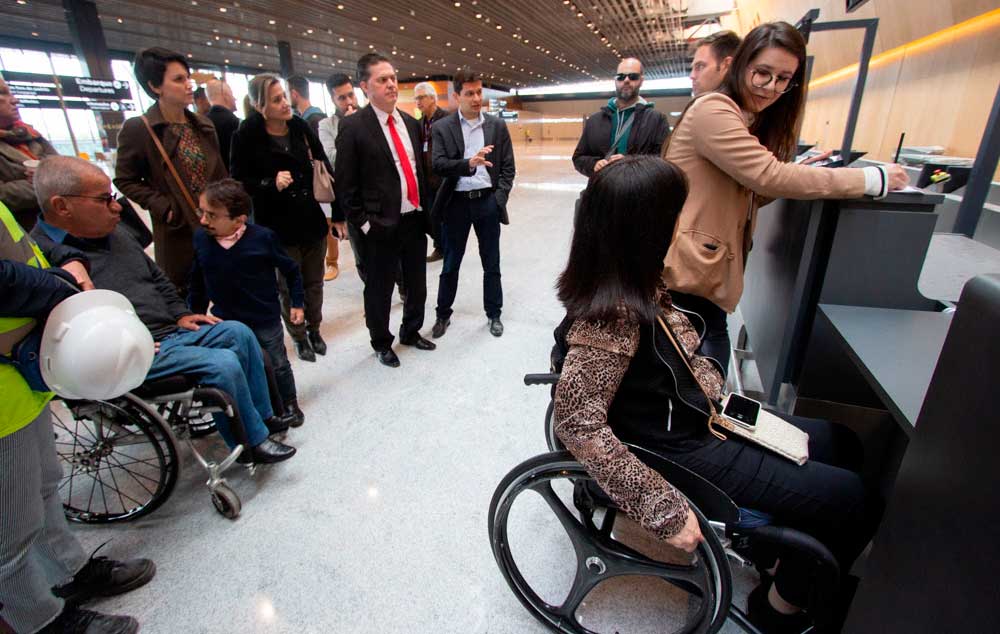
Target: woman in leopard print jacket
622, 381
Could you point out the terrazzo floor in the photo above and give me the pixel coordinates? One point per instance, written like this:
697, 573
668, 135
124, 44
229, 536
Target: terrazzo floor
379, 524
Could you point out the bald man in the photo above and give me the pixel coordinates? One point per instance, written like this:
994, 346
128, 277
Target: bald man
626, 125
220, 95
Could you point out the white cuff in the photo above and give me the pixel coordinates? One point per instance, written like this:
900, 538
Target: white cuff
876, 181
365, 227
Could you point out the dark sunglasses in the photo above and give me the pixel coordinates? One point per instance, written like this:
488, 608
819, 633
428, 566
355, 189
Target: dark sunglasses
624, 76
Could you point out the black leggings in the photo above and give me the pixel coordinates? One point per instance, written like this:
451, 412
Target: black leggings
715, 340
824, 498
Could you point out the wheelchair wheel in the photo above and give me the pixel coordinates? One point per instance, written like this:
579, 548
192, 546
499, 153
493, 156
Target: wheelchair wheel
550, 429
699, 585
120, 460
226, 502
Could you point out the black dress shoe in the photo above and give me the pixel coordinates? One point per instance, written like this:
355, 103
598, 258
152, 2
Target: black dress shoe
267, 452
304, 349
496, 327
440, 327
387, 357
419, 343
103, 577
77, 621
277, 425
435, 256
316, 341
293, 414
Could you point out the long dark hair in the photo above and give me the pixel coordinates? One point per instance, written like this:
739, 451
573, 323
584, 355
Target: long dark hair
777, 127
622, 232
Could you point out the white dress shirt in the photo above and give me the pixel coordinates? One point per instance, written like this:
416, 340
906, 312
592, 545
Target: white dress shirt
472, 134
404, 136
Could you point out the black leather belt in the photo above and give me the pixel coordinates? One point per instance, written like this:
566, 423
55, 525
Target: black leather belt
475, 193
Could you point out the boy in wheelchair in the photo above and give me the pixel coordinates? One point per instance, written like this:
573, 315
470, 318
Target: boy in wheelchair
622, 381
78, 210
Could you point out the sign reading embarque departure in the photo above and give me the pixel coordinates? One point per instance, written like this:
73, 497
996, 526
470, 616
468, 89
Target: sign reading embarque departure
42, 91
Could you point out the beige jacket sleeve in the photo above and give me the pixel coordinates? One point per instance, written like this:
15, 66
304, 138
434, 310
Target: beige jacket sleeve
721, 136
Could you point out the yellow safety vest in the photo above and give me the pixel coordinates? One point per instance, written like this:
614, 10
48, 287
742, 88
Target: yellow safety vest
19, 405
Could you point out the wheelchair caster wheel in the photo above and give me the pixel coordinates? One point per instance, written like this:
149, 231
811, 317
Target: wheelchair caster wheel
226, 502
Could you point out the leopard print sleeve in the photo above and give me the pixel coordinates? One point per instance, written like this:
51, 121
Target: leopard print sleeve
598, 357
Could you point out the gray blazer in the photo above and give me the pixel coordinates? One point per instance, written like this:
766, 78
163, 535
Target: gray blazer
449, 163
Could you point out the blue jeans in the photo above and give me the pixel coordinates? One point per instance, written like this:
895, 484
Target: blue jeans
272, 340
225, 356
482, 215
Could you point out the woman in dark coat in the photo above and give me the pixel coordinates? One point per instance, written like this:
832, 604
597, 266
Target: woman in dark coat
272, 155
190, 142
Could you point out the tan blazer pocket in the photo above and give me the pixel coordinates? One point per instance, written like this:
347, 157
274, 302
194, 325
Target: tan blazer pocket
699, 260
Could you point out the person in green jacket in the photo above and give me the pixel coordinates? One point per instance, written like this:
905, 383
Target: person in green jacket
44, 573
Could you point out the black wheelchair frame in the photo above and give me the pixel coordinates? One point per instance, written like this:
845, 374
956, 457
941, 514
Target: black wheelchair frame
708, 576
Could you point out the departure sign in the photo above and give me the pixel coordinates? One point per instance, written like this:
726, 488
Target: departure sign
42, 91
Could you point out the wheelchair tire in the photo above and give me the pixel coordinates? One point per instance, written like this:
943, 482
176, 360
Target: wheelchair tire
708, 576
120, 459
550, 429
226, 502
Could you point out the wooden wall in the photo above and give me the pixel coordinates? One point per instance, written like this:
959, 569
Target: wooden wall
937, 87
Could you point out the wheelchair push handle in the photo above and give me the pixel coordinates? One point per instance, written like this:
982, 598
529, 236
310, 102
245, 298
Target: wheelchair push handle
549, 378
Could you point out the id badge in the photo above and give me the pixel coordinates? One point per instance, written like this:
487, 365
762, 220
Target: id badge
425, 146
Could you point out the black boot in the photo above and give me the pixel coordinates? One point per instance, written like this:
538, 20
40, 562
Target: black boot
277, 424
769, 620
293, 414
304, 349
316, 341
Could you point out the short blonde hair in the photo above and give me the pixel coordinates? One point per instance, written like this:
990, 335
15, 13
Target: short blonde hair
258, 89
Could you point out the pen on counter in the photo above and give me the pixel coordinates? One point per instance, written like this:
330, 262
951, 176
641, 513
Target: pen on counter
899, 148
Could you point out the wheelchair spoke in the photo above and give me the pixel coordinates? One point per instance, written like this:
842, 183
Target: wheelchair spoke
573, 527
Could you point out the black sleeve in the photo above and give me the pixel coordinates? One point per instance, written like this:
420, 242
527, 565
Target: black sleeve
584, 158
347, 173
197, 290
241, 166
30, 292
444, 166
661, 133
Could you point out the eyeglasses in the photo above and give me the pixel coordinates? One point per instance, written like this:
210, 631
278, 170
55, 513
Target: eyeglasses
107, 199
202, 213
761, 78
624, 76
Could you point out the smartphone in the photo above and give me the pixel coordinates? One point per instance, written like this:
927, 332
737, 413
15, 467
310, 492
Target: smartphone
742, 410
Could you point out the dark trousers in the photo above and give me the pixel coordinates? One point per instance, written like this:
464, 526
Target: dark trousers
357, 240
272, 341
311, 259
387, 250
463, 214
715, 341
825, 497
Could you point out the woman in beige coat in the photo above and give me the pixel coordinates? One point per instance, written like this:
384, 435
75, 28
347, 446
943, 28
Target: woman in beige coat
735, 145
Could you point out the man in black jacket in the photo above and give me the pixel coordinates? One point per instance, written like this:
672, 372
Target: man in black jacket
220, 95
473, 152
627, 125
382, 189
426, 98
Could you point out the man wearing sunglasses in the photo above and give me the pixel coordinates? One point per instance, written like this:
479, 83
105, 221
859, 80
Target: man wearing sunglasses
628, 124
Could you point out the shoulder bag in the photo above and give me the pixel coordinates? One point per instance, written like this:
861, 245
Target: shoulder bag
322, 181
771, 432
170, 166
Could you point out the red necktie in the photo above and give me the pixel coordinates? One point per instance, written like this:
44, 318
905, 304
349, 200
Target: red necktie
412, 192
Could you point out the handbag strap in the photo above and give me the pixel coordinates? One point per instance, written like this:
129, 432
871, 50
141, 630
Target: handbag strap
170, 166
684, 357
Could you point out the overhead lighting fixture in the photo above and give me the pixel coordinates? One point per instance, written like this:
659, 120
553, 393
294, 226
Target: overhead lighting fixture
121, 21
374, 18
402, 28
223, 10
479, 16
271, 22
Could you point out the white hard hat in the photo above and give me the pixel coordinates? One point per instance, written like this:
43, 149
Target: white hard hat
95, 347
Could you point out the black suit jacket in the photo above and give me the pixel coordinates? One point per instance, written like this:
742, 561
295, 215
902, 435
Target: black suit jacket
427, 141
225, 123
365, 179
448, 161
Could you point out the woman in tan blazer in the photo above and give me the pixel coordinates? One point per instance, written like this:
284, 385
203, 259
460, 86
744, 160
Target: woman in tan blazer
735, 145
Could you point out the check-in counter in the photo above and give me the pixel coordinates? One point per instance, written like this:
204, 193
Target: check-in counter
861, 252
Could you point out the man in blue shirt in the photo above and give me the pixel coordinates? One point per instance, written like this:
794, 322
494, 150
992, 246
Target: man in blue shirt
472, 151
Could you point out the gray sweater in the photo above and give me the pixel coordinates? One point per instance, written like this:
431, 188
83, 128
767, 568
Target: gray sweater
118, 263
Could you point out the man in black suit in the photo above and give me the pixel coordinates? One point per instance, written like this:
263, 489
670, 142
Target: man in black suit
381, 186
473, 195
220, 96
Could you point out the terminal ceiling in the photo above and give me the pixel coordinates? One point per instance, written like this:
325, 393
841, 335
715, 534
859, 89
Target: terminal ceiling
512, 42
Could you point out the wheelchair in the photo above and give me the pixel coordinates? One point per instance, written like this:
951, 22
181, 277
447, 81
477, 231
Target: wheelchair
121, 457
700, 584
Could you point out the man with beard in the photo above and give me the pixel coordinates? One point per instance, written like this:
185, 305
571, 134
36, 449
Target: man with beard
627, 125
